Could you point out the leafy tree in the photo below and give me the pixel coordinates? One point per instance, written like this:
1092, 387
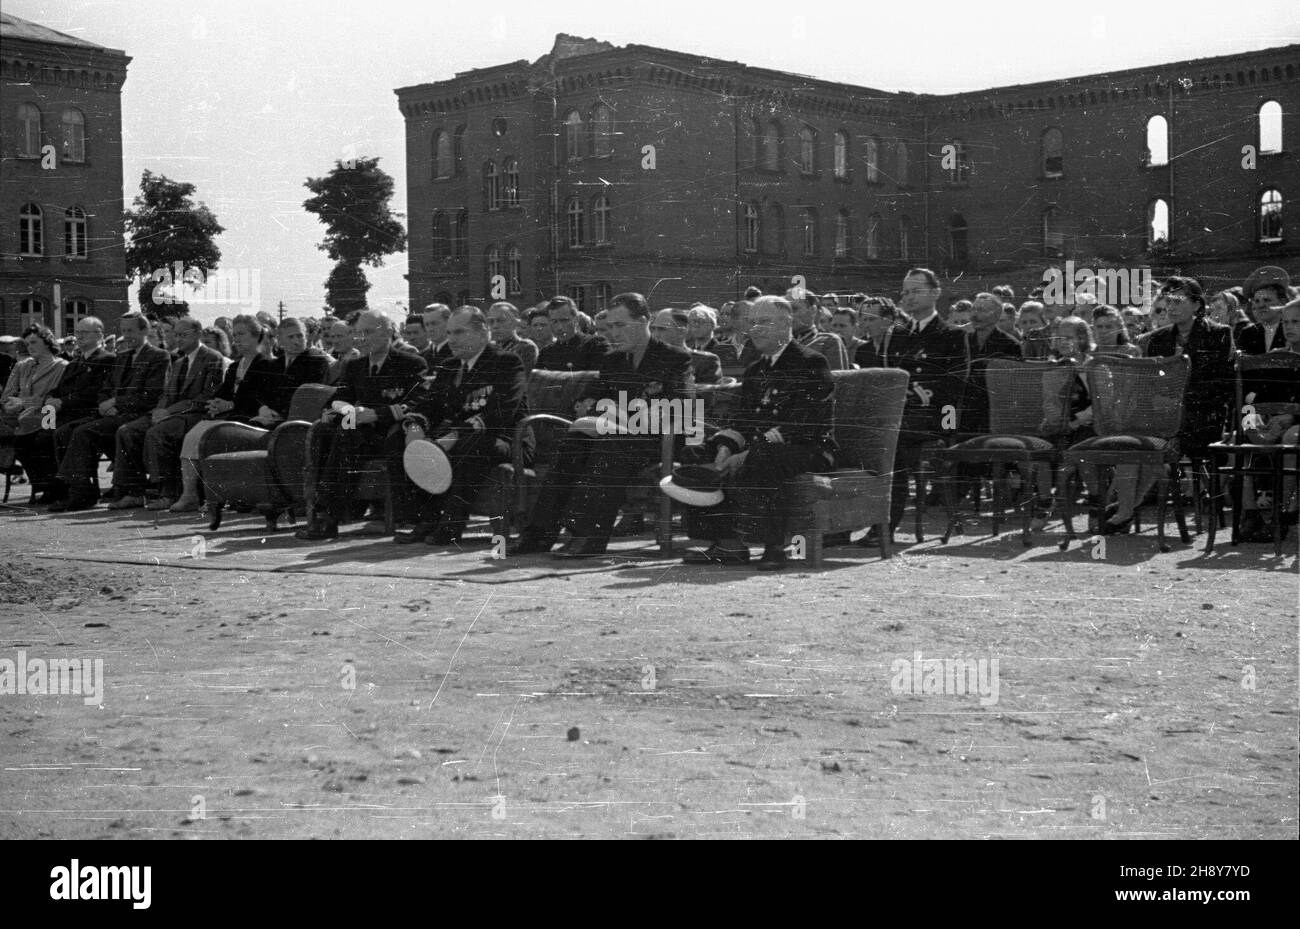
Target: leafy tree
360, 229
165, 227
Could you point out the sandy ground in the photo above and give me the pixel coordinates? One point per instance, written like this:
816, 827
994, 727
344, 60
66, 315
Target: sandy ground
261, 687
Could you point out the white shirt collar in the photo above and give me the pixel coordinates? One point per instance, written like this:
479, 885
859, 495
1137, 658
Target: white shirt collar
469, 365
773, 359
921, 324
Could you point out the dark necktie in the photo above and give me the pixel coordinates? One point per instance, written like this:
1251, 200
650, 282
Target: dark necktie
460, 374
185, 370
374, 370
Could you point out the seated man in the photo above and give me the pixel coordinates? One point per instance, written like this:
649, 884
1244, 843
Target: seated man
539, 327
1266, 289
844, 323
137, 382
877, 326
435, 318
75, 402
503, 323
571, 350
370, 393
294, 365
147, 460
338, 336
782, 426
807, 310
671, 326
637, 366
701, 321
470, 407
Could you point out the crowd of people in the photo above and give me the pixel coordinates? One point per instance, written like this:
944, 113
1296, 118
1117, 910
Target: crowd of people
145, 395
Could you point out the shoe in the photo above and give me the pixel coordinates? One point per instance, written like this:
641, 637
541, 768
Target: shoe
318, 530
581, 547
529, 545
773, 559
159, 503
836, 539
185, 505
127, 502
715, 554
417, 534
72, 504
442, 536
871, 539
1109, 527
1041, 514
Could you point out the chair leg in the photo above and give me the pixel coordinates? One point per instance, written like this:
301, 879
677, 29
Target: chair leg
1278, 496
814, 550
1162, 492
886, 539
922, 477
950, 504
1180, 515
998, 495
664, 524
1066, 481
1214, 514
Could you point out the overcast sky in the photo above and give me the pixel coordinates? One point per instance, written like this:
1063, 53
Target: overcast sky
247, 98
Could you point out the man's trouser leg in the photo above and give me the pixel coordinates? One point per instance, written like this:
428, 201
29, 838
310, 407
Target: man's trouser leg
162, 452
128, 458
612, 467
341, 452
569, 468
753, 493
35, 452
79, 466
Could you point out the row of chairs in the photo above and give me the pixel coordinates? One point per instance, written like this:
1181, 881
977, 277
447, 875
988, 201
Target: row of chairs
269, 471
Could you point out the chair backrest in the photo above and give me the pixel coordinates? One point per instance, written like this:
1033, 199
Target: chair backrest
1268, 384
868, 411
1028, 397
554, 393
308, 401
1137, 396
718, 400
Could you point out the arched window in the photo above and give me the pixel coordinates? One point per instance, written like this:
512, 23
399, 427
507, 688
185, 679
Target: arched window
458, 149
441, 238
842, 234
1270, 216
751, 227
903, 168
573, 135
959, 173
29, 131
460, 235
600, 219
514, 270
493, 264
74, 233
31, 233
841, 153
1157, 141
775, 229
444, 163
957, 231
1158, 223
491, 186
512, 182
873, 235
574, 213
1270, 128
1053, 152
772, 146
808, 231
807, 150
905, 238
74, 135
75, 309
873, 160
1053, 234
602, 130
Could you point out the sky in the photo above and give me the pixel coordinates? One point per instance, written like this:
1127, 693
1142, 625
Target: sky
248, 98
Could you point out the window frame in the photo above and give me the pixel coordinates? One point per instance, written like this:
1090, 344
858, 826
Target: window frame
807, 150
808, 232
1281, 126
871, 158
1045, 156
25, 110
1150, 152
840, 155
1152, 241
602, 140
74, 219
31, 227
442, 140
600, 215
78, 135
574, 223
514, 270
752, 226
573, 128
1280, 211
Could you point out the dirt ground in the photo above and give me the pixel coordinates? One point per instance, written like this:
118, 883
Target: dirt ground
259, 687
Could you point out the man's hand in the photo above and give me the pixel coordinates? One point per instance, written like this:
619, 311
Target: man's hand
217, 407
56, 403
13, 405
583, 408
413, 433
774, 435
732, 463
158, 415
723, 454
268, 415
366, 417
108, 408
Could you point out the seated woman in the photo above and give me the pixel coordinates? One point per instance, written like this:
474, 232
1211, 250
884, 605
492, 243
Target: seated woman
1111, 333
242, 399
1257, 500
1071, 341
29, 384
217, 340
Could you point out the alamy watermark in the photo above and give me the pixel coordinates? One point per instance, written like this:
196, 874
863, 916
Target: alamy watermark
193, 285
951, 676
1113, 286
656, 416
83, 677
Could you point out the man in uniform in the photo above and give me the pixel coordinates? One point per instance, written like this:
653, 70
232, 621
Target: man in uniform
371, 390
636, 366
503, 324
469, 406
782, 427
571, 350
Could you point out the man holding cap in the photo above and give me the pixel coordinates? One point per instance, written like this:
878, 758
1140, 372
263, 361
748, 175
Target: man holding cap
782, 426
469, 408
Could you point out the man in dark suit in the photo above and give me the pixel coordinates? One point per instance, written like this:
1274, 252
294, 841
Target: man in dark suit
877, 325
75, 402
781, 426
1208, 345
469, 406
671, 326
147, 457
571, 350
844, 323
294, 364
985, 340
637, 367
807, 311
1266, 289
503, 326
138, 379
934, 355
701, 321
369, 394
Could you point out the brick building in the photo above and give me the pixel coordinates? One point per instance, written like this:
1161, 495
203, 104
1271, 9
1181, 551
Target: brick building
62, 253
598, 168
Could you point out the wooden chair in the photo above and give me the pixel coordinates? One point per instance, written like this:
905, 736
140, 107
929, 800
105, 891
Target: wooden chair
1266, 385
1029, 405
1137, 406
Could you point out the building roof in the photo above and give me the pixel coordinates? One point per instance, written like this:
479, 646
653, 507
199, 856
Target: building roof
13, 27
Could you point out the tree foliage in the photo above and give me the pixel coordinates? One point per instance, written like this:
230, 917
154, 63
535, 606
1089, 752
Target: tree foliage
164, 226
352, 201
